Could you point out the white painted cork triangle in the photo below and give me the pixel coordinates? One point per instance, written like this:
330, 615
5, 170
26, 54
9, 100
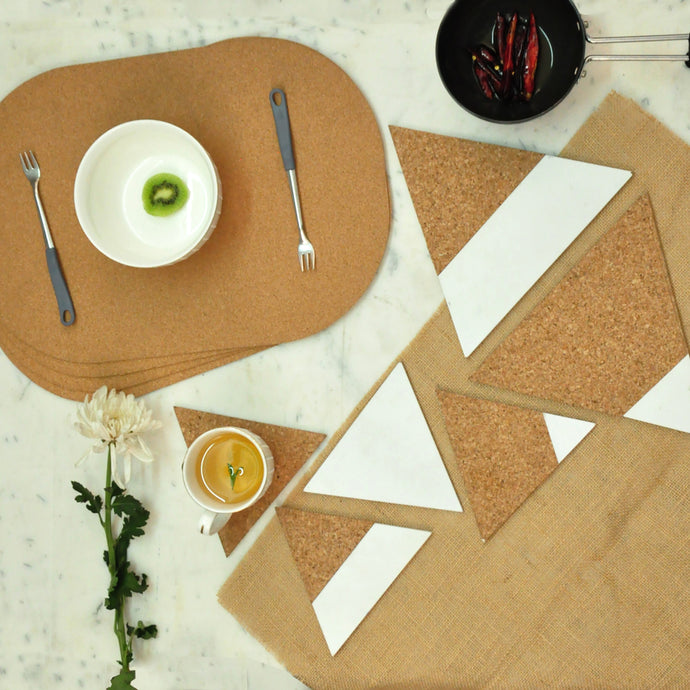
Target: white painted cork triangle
668, 402
565, 433
388, 454
363, 578
538, 221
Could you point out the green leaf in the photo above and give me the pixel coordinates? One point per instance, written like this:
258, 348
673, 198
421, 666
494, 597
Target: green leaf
234, 473
143, 632
93, 503
122, 681
123, 585
135, 517
116, 490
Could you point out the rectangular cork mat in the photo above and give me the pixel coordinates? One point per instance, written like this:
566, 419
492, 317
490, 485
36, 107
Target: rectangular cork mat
585, 586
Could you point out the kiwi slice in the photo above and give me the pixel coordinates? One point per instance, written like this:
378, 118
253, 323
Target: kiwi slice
163, 194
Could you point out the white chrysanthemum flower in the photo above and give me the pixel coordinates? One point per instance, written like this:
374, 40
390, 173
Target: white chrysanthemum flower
116, 420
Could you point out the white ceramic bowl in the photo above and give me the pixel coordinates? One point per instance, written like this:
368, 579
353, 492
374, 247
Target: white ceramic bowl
108, 193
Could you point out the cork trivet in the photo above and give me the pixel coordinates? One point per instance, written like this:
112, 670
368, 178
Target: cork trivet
291, 448
504, 454
606, 334
581, 588
456, 185
243, 289
319, 543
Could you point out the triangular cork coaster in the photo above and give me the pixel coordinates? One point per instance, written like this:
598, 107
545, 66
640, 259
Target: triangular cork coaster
607, 334
291, 448
456, 185
504, 453
346, 565
320, 543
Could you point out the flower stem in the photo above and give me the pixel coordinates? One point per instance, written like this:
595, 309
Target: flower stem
119, 626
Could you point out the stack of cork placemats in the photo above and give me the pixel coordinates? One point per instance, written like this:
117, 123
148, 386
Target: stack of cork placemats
562, 435
140, 329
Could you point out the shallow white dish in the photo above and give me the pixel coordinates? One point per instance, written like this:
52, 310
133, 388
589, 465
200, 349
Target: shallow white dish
108, 193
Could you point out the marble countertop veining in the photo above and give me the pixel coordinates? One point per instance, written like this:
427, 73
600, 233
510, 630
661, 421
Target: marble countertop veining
53, 629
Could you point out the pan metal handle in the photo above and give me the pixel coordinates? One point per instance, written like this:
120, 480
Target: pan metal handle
598, 40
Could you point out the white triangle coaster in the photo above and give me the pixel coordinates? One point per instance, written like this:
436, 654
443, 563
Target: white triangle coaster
388, 454
363, 578
668, 402
565, 433
538, 221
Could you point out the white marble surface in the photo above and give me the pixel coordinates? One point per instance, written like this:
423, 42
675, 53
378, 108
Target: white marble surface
53, 630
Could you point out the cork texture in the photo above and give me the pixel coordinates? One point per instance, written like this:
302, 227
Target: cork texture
320, 543
583, 586
243, 290
291, 448
504, 454
606, 334
456, 185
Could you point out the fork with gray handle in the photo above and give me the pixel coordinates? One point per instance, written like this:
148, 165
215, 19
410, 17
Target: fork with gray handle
33, 174
305, 249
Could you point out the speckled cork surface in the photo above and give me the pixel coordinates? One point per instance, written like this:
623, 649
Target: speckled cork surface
319, 543
504, 454
606, 334
141, 329
456, 185
291, 448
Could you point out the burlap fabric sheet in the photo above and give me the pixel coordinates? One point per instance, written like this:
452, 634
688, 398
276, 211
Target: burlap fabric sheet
586, 585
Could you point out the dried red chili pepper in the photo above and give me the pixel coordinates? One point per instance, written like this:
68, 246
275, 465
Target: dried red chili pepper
507, 57
486, 64
519, 56
531, 58
490, 57
483, 81
500, 35
508, 70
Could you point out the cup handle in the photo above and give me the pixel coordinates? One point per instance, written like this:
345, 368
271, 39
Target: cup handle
210, 523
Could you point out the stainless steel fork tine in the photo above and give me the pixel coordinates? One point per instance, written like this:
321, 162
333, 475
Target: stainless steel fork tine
28, 161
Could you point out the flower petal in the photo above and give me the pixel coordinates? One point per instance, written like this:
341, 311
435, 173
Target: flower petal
112, 418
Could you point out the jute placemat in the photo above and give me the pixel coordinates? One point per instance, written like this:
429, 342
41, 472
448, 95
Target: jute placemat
586, 585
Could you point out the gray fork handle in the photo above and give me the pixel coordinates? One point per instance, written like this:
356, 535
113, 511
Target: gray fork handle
60, 287
282, 120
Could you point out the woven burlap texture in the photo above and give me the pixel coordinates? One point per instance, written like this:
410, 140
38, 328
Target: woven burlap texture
586, 585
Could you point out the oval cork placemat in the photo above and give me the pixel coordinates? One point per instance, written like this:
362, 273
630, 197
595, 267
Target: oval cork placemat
243, 289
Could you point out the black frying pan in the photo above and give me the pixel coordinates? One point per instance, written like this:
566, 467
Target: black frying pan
563, 41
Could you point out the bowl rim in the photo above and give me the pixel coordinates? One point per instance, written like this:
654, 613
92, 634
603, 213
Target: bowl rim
98, 146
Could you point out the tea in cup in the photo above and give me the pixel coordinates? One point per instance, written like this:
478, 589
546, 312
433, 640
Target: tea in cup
226, 470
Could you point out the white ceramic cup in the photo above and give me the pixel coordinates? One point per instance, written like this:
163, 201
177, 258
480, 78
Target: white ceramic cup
217, 513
